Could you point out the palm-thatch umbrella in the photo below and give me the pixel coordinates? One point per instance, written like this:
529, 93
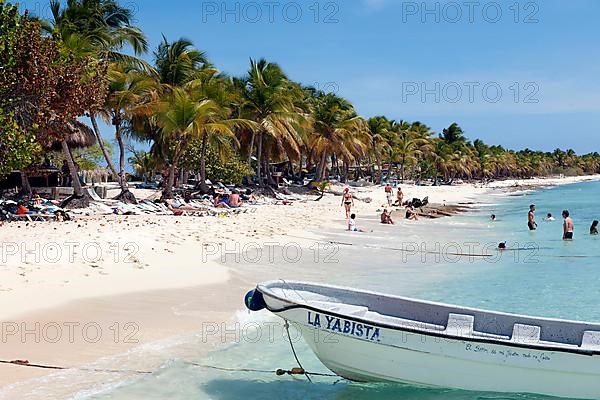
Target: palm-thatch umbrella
78, 136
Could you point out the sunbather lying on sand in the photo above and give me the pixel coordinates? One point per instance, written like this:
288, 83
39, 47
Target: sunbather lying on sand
179, 205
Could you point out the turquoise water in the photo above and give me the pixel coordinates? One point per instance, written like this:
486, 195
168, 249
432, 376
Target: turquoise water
550, 278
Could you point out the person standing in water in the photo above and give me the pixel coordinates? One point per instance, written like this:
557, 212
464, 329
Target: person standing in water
568, 226
347, 201
594, 228
531, 218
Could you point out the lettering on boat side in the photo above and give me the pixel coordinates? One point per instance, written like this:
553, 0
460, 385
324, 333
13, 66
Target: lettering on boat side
339, 325
507, 354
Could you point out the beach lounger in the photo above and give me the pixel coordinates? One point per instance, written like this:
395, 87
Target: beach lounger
93, 194
34, 217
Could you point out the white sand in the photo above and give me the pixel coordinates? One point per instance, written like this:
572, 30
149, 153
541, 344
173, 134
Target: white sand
109, 269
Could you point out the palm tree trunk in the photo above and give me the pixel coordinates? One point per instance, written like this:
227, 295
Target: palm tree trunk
346, 170
402, 166
250, 149
168, 190
203, 148
125, 196
77, 189
100, 140
300, 163
271, 181
259, 159
25, 186
122, 177
321, 168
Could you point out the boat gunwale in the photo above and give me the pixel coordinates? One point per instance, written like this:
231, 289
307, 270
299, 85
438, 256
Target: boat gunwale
542, 347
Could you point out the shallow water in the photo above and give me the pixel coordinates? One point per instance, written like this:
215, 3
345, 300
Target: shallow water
550, 278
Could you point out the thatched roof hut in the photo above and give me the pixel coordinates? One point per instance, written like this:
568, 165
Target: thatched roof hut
79, 136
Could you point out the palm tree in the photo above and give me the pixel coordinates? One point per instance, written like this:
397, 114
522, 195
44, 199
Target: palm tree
128, 89
380, 130
269, 99
178, 62
337, 131
98, 28
143, 163
408, 149
184, 114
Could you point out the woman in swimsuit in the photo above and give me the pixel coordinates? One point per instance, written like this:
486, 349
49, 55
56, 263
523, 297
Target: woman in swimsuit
594, 228
348, 202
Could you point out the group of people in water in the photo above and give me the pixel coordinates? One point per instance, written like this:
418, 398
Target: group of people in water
568, 225
411, 214
386, 215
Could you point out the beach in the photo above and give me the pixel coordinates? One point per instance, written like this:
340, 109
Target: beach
73, 293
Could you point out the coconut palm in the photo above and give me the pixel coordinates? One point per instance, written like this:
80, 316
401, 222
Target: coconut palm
380, 131
178, 62
143, 163
270, 100
129, 88
337, 131
101, 29
185, 114
407, 150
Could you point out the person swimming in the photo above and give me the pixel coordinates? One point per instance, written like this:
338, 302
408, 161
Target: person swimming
549, 218
493, 217
594, 228
568, 226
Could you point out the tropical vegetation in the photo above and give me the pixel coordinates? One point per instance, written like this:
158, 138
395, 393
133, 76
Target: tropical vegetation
89, 61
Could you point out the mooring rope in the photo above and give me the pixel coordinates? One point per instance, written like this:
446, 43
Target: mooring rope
440, 253
278, 372
287, 330
26, 363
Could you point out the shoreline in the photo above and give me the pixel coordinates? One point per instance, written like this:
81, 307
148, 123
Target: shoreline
167, 301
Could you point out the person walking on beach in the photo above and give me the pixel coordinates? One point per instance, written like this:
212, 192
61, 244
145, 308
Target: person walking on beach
347, 201
568, 226
389, 194
594, 228
531, 218
399, 197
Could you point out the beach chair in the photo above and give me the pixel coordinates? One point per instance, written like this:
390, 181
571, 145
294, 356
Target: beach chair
93, 194
20, 217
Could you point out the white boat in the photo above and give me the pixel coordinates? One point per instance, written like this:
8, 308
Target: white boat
372, 337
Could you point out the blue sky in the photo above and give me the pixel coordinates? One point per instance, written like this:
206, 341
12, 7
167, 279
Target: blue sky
437, 62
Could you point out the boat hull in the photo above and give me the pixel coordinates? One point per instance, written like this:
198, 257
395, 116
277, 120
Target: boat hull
381, 354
